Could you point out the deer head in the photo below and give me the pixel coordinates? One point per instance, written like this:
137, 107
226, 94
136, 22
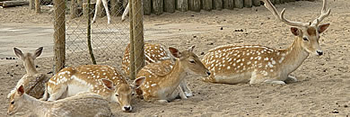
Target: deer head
16, 101
28, 59
190, 61
308, 34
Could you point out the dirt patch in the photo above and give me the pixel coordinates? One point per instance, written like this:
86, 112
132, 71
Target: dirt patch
322, 90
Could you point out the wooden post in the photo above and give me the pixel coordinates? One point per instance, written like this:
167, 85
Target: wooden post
139, 55
256, 2
37, 6
228, 4
59, 34
207, 5
217, 4
239, 4
169, 6
131, 47
194, 5
147, 7
248, 3
182, 5
73, 9
89, 35
157, 6
31, 4
115, 8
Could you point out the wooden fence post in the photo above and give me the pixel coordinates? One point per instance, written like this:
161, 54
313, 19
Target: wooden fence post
139, 55
217, 4
157, 6
182, 5
147, 7
239, 4
256, 2
207, 5
73, 9
37, 6
248, 3
194, 5
32, 4
169, 6
131, 47
59, 34
228, 4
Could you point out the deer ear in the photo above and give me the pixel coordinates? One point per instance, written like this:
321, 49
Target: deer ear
295, 31
137, 82
38, 52
18, 53
108, 83
323, 27
20, 90
175, 52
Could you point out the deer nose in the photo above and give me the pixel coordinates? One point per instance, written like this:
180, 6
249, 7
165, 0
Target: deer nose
127, 108
208, 73
319, 52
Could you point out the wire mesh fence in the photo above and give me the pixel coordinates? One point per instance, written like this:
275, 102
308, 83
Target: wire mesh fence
86, 40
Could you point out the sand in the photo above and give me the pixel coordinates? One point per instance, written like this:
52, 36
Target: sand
323, 88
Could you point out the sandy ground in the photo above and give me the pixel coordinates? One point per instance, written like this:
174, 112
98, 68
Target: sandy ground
322, 90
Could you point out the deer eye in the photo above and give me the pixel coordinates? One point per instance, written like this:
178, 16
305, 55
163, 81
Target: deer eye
132, 94
192, 61
116, 95
13, 102
305, 39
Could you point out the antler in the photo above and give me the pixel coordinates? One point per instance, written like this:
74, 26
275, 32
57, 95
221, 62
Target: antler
273, 9
324, 14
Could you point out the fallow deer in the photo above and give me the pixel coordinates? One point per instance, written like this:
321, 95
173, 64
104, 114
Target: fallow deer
100, 79
160, 81
259, 64
105, 5
33, 81
81, 105
155, 53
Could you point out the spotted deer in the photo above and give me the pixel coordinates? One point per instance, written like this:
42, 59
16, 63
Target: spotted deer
81, 105
100, 79
160, 81
155, 53
259, 64
32, 81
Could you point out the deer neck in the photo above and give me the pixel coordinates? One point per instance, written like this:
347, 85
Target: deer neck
30, 67
294, 56
37, 106
176, 75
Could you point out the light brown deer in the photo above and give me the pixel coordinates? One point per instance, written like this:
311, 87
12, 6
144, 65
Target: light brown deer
81, 105
155, 53
160, 81
259, 64
33, 81
100, 79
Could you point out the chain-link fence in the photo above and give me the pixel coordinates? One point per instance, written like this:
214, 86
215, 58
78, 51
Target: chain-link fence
101, 42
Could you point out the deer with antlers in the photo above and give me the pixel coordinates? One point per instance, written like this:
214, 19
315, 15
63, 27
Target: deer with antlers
81, 105
32, 81
161, 80
100, 79
155, 53
259, 64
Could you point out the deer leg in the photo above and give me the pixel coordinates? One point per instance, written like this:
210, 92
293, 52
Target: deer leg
126, 12
98, 2
57, 92
270, 81
291, 79
105, 4
180, 92
185, 89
